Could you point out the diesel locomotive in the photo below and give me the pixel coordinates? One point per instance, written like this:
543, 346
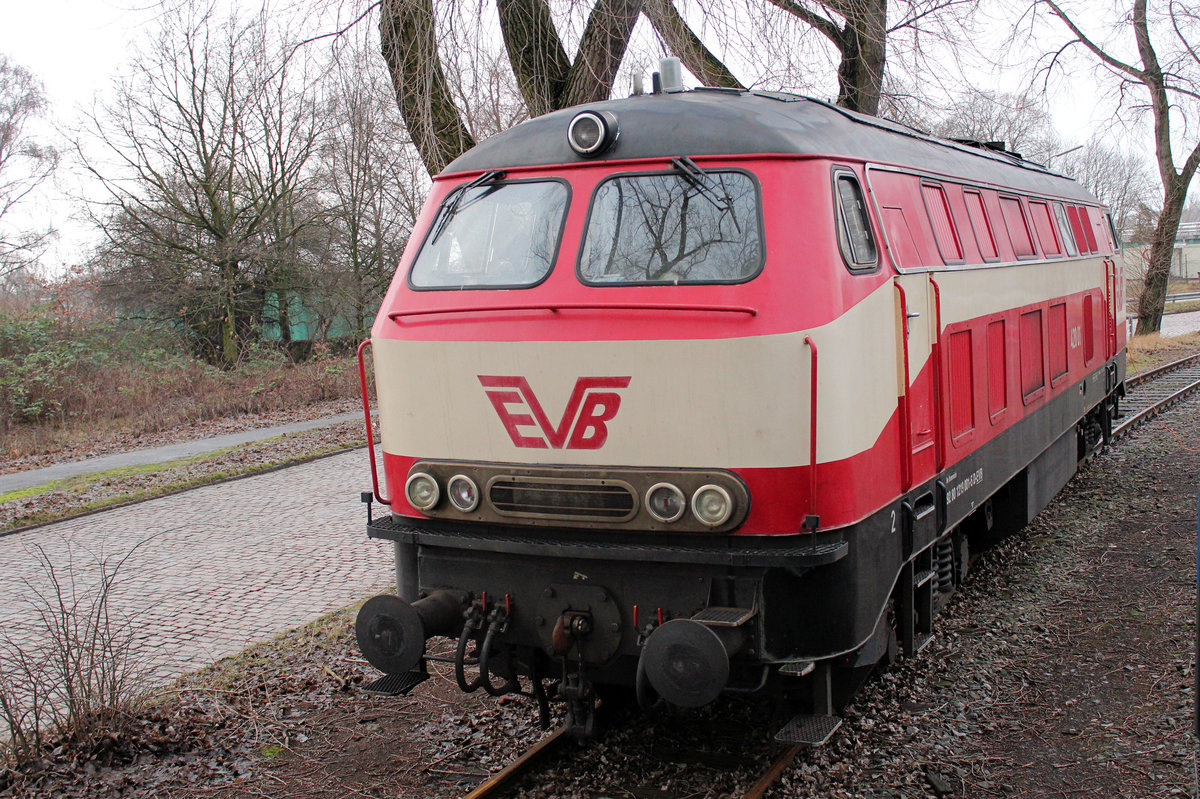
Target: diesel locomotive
711, 391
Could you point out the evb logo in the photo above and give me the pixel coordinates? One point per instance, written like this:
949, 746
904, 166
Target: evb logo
584, 423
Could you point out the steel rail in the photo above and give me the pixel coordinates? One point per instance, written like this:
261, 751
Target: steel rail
1178, 378
496, 783
773, 772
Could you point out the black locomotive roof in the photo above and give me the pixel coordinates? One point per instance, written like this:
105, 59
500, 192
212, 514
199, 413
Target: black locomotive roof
724, 122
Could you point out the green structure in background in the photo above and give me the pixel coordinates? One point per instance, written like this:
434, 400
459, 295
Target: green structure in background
304, 324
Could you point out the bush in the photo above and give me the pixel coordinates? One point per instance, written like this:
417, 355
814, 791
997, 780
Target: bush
76, 379
75, 674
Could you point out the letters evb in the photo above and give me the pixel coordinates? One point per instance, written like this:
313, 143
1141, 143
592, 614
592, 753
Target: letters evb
584, 425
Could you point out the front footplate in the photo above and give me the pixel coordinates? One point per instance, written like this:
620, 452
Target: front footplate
807, 550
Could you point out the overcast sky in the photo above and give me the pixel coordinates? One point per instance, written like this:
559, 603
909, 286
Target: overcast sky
74, 46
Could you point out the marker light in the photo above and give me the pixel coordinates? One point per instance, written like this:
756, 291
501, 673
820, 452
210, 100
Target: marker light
463, 493
422, 491
665, 502
592, 132
712, 505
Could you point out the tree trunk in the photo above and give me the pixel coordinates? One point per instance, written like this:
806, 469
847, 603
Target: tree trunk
864, 53
229, 343
283, 300
547, 78
1175, 184
538, 60
409, 46
601, 49
1162, 250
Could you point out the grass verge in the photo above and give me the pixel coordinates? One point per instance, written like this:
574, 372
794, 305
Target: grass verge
84, 494
1147, 352
1183, 307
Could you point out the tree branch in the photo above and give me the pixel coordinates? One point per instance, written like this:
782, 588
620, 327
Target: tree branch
1090, 45
824, 25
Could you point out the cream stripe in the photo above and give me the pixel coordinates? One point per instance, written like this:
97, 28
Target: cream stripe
740, 402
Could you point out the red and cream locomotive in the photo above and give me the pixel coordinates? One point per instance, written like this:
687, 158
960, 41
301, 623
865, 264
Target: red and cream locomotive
708, 391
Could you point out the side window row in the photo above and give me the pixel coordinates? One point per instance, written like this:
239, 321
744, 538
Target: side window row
1056, 228
968, 224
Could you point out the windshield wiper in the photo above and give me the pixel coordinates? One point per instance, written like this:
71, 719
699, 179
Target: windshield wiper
451, 205
702, 182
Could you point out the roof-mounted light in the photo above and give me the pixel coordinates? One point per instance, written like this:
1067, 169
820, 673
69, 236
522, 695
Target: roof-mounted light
592, 132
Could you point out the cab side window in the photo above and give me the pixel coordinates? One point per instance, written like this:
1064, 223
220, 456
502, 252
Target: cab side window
855, 238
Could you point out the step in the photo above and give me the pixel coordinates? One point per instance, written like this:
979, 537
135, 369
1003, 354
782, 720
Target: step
396, 684
924, 577
724, 617
800, 668
809, 730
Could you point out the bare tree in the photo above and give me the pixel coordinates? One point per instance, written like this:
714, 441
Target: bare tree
373, 185
1166, 72
24, 163
1021, 121
205, 151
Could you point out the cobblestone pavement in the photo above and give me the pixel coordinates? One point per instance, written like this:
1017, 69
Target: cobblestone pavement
212, 570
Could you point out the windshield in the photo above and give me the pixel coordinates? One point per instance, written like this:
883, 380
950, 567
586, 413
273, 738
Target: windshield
492, 234
698, 227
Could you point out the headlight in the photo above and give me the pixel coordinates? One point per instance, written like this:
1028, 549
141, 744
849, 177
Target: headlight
592, 132
464, 494
422, 491
665, 502
712, 505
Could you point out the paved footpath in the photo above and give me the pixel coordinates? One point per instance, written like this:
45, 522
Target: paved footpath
16, 481
217, 568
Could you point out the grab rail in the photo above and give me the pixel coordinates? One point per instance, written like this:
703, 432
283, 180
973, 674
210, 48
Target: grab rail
812, 436
939, 421
362, 377
395, 316
906, 467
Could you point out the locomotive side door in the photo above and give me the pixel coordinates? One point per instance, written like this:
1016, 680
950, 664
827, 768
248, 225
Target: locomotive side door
916, 314
1113, 305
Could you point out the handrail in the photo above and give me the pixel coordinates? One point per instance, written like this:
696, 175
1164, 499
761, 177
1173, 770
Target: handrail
395, 316
906, 466
939, 419
812, 429
362, 377
1110, 307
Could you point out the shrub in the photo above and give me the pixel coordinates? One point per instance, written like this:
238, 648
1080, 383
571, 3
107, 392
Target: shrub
68, 379
75, 673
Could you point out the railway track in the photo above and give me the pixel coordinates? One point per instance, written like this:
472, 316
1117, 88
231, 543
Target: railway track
1155, 390
499, 783
1147, 395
